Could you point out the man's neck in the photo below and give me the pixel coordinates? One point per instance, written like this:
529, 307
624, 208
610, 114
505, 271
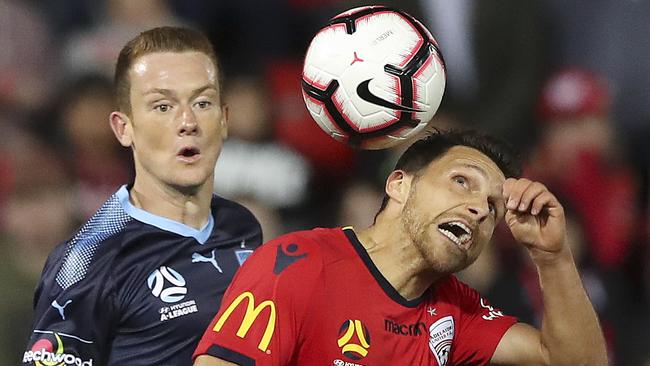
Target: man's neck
396, 257
189, 208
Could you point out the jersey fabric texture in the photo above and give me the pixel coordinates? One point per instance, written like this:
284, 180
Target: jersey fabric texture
133, 288
316, 298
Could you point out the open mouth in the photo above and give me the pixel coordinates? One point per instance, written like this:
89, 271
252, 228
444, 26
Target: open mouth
456, 231
189, 152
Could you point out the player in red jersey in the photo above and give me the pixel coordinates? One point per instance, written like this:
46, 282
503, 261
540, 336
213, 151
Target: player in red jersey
386, 295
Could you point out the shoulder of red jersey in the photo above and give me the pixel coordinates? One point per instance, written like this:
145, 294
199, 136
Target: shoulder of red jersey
478, 325
304, 249
467, 299
269, 298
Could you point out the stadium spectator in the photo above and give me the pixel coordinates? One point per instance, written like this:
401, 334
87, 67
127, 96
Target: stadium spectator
97, 162
579, 154
252, 163
494, 54
25, 74
95, 48
37, 210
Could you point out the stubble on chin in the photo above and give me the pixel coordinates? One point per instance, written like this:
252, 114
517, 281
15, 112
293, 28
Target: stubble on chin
421, 231
440, 256
417, 231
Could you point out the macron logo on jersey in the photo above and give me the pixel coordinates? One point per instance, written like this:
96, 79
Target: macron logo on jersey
167, 284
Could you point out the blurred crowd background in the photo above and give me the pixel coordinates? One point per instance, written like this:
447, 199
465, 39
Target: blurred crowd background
565, 81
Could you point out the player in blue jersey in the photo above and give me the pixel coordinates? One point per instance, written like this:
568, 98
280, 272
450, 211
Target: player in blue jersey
140, 281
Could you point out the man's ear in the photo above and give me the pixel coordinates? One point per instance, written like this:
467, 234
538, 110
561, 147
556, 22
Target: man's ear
122, 128
398, 186
225, 115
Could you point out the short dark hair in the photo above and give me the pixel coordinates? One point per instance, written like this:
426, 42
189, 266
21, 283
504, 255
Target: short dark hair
429, 148
161, 39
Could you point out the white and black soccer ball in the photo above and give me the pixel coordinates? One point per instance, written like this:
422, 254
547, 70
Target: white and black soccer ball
373, 77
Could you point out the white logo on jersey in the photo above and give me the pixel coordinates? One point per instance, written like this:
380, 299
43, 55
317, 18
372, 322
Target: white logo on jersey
156, 283
431, 311
441, 335
60, 308
197, 257
493, 314
49, 350
339, 362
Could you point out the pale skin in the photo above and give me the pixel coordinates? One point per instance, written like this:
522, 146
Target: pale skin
465, 185
175, 129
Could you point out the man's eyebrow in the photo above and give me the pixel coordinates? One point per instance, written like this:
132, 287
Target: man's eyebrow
165, 92
478, 169
169, 92
200, 90
483, 173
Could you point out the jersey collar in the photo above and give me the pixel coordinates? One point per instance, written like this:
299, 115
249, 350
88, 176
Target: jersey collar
164, 223
379, 277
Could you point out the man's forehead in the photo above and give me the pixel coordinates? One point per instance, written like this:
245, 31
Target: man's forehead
172, 60
469, 158
164, 70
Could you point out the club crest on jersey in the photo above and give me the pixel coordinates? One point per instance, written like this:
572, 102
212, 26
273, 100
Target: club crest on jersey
441, 335
242, 255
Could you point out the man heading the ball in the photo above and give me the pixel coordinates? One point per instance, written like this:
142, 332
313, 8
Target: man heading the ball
138, 283
386, 295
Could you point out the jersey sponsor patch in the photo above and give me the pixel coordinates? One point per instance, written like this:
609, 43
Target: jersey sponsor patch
50, 350
441, 335
251, 315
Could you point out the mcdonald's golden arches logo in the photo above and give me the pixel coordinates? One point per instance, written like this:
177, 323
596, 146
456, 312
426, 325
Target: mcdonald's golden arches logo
351, 348
251, 315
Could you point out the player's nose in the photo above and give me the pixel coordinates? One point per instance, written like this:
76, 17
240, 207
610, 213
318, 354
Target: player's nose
479, 209
188, 124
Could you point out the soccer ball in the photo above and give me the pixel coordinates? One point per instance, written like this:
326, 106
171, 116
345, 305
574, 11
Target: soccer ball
373, 77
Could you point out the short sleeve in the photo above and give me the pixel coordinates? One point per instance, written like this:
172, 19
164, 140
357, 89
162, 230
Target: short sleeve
264, 307
72, 325
481, 327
